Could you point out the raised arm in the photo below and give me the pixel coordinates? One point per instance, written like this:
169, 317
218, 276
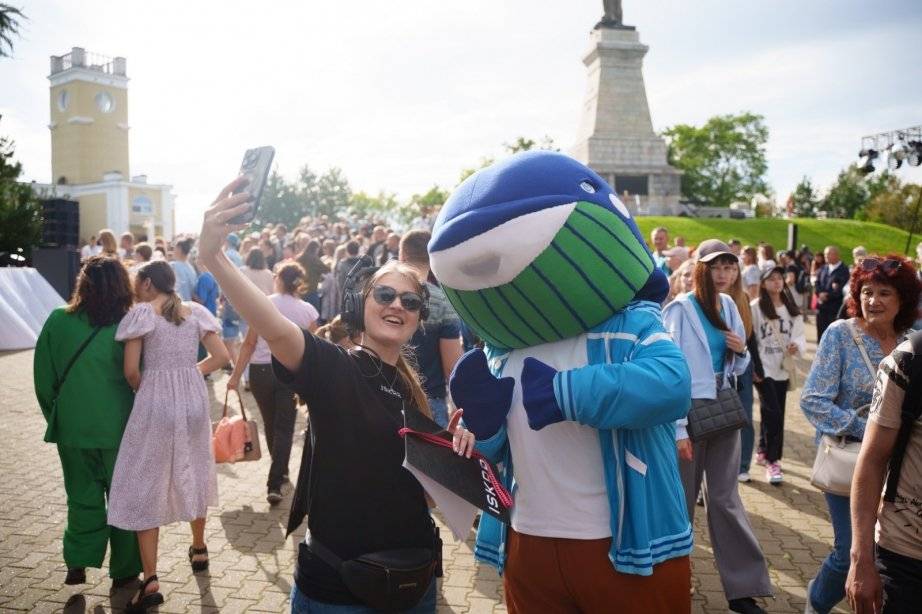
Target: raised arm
285, 339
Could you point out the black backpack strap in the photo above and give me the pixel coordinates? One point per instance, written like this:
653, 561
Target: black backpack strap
73, 359
910, 412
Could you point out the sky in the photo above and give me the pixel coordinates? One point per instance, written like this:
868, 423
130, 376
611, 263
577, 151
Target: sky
403, 95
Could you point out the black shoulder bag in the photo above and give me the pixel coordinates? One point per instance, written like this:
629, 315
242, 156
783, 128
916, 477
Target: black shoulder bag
51, 433
724, 413
910, 412
389, 580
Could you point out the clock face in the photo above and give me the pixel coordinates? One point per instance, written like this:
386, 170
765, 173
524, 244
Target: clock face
63, 99
104, 102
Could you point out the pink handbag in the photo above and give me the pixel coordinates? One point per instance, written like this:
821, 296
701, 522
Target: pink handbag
236, 438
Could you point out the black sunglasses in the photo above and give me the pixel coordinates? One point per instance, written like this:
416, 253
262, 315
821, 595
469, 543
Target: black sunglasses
888, 266
385, 295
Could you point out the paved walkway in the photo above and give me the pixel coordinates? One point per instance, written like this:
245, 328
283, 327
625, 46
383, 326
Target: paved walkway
252, 560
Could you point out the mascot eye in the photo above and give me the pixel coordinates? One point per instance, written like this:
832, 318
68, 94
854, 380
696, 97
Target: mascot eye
619, 206
496, 256
587, 187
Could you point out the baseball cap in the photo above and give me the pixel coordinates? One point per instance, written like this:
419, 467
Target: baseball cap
713, 248
233, 240
767, 272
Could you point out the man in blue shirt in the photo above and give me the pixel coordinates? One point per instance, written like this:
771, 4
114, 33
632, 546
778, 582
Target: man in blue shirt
186, 277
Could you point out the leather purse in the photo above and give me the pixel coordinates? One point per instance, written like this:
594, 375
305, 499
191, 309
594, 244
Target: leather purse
235, 438
708, 418
834, 465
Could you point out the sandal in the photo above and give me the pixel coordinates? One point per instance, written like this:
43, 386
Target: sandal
198, 565
144, 600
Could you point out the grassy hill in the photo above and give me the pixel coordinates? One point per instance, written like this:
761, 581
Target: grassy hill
846, 234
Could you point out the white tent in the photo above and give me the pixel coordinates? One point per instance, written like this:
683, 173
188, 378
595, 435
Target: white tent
26, 300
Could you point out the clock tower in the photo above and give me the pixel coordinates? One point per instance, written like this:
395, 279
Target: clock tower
89, 117
89, 149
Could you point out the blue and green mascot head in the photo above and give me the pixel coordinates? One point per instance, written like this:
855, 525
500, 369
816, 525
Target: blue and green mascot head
538, 248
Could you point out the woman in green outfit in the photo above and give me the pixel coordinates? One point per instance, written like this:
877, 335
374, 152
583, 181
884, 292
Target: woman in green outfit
86, 407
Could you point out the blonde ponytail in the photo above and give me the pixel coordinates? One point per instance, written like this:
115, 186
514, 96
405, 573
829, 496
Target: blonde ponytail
411, 381
171, 309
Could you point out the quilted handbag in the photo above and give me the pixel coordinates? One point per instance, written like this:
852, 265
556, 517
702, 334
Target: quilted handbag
710, 417
235, 438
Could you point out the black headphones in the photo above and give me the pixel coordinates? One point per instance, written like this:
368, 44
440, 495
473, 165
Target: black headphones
353, 306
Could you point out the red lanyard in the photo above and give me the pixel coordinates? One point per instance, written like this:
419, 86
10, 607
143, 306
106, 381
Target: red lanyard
502, 494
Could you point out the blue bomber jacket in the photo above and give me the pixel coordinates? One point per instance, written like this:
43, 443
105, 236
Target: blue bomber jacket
634, 387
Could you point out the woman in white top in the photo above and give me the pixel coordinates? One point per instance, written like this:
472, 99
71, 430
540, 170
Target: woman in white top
275, 401
779, 331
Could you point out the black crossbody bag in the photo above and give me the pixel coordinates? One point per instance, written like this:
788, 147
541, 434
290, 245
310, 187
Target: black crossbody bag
388, 580
51, 433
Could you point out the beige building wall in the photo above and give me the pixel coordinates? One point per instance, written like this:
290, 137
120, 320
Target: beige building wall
86, 140
93, 214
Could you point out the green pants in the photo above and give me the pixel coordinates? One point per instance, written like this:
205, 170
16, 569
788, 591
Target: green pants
87, 477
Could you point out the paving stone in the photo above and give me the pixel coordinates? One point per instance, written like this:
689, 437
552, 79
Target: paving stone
252, 560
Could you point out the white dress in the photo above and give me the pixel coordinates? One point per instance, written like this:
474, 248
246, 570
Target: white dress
165, 469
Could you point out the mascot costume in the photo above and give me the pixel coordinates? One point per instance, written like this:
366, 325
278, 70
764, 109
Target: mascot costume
576, 392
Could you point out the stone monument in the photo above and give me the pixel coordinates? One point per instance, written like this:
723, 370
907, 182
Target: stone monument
616, 137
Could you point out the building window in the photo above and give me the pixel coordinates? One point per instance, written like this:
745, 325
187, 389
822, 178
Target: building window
104, 102
632, 184
142, 205
63, 100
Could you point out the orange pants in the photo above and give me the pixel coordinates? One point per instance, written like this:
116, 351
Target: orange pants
549, 575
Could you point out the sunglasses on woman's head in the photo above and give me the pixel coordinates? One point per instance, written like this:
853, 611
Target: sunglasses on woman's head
385, 295
886, 266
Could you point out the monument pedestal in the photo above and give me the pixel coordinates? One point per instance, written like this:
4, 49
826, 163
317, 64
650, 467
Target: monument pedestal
616, 137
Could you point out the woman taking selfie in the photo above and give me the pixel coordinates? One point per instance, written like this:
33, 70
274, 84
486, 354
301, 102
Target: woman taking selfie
707, 327
361, 500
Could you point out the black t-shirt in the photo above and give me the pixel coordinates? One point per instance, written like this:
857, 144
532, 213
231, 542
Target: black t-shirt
363, 500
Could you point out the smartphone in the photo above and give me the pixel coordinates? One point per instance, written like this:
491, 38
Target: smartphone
256, 165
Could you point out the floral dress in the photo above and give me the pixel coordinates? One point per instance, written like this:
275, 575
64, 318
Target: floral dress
165, 469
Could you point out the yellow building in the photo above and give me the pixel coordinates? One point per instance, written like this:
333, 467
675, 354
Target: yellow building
89, 149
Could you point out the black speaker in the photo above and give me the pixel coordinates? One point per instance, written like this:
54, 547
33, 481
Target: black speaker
60, 223
59, 266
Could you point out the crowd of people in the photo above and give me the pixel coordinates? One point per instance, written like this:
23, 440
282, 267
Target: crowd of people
307, 314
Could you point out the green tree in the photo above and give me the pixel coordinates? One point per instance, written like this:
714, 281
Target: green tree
367, 207
896, 207
848, 196
331, 194
723, 161
524, 144
805, 198
9, 26
422, 205
280, 202
20, 210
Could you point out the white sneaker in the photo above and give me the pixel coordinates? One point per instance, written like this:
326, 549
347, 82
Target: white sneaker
808, 607
744, 477
773, 473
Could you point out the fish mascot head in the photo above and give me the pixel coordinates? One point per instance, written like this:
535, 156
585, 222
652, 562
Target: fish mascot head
538, 248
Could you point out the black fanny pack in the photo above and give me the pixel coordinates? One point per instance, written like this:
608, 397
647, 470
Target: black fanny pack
390, 580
